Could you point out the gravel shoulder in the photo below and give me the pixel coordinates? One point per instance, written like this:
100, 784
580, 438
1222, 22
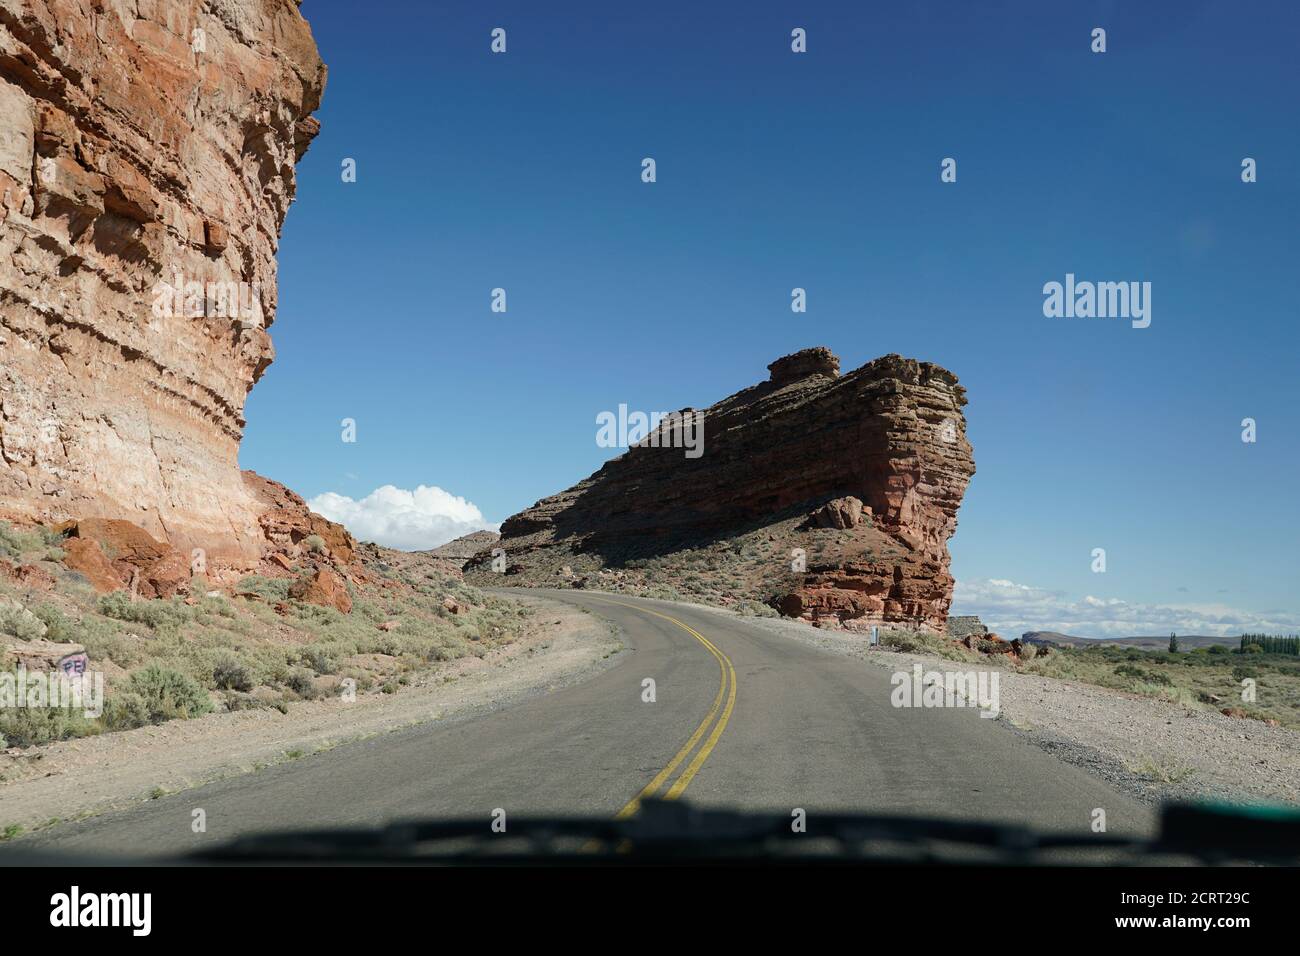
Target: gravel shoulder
77, 778
1148, 748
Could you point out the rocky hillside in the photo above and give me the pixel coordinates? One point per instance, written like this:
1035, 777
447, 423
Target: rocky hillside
829, 497
147, 154
465, 547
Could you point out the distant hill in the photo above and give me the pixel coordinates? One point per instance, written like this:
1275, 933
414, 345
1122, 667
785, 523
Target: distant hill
1185, 642
464, 547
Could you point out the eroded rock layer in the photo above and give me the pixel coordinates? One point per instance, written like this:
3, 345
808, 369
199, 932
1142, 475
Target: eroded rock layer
147, 147
838, 495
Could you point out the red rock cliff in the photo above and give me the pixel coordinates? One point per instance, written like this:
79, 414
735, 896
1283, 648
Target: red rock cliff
144, 145
863, 473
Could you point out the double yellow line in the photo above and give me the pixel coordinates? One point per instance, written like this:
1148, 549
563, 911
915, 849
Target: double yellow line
726, 691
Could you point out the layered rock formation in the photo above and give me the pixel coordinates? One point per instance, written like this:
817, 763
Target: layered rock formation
147, 153
840, 492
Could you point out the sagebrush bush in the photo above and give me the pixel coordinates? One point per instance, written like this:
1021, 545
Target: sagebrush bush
57, 626
230, 674
160, 615
1143, 675
300, 682
33, 726
168, 694
21, 623
318, 660
272, 590
125, 710
14, 543
103, 639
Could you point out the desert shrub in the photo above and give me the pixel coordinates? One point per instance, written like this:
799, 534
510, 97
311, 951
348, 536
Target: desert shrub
1143, 675
125, 710
33, 726
1028, 652
1252, 649
236, 702
273, 590
165, 616
299, 680
314, 543
21, 623
230, 674
57, 627
749, 608
103, 640
168, 694
318, 660
926, 643
13, 543
215, 607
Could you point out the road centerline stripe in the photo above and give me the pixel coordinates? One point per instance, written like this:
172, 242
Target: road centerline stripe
726, 689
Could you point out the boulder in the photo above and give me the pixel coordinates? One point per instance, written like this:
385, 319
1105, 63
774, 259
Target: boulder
168, 576
37, 655
840, 513
114, 554
87, 558
324, 588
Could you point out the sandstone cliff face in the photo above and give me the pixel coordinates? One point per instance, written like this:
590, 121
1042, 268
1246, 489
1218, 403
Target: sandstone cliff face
145, 146
861, 473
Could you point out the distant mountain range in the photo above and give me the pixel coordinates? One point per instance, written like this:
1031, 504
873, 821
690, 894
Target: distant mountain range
1185, 641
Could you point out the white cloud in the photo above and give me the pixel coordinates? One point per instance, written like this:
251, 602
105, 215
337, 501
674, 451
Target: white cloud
407, 520
1011, 609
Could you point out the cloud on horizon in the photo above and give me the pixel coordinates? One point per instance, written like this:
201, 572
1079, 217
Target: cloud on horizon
1011, 609
407, 520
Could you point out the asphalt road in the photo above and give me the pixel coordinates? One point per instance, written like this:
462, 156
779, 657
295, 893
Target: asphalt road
742, 718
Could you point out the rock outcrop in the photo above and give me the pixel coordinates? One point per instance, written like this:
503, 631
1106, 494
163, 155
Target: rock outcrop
147, 153
457, 553
837, 495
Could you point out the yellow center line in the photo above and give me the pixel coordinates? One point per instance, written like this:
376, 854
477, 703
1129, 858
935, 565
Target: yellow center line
727, 689
694, 766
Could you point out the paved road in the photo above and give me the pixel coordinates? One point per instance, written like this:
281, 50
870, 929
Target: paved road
742, 718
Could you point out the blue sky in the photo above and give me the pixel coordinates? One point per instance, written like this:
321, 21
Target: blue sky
817, 170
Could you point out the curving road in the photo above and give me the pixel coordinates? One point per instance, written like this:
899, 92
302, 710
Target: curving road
742, 718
